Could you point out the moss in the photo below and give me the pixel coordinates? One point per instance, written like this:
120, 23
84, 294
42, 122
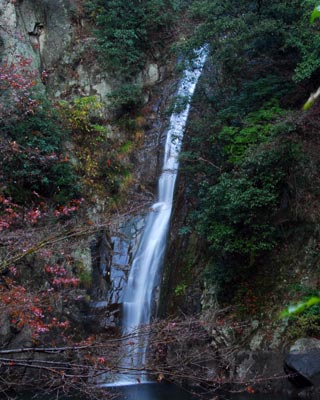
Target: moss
183, 281
307, 325
85, 277
103, 160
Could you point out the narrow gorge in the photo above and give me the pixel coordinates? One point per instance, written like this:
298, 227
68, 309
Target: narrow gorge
208, 280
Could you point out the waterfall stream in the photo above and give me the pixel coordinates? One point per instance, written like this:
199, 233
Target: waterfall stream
145, 274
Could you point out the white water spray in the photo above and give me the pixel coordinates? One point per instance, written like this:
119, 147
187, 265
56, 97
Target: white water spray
144, 277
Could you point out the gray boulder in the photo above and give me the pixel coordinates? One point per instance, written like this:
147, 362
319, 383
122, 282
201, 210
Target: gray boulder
302, 363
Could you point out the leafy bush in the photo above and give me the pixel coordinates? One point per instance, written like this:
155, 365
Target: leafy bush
127, 97
102, 159
241, 153
128, 32
257, 127
36, 165
306, 40
81, 112
238, 214
306, 322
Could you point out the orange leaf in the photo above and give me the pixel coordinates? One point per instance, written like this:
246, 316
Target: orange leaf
250, 389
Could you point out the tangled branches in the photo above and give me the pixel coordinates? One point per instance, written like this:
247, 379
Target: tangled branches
180, 350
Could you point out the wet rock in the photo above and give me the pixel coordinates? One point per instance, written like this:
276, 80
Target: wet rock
263, 368
5, 332
152, 75
102, 317
303, 363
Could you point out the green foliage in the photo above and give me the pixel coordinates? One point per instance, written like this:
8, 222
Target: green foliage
127, 97
37, 163
243, 146
315, 14
85, 277
237, 35
238, 210
40, 131
126, 147
102, 160
306, 325
306, 40
256, 92
180, 289
81, 113
248, 155
184, 230
238, 214
308, 44
221, 272
128, 32
304, 318
257, 127
259, 31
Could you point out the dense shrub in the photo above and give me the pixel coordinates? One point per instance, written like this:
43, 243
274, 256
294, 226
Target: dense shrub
103, 159
35, 166
238, 213
243, 148
129, 32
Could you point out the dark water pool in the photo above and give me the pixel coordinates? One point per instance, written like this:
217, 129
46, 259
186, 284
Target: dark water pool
165, 391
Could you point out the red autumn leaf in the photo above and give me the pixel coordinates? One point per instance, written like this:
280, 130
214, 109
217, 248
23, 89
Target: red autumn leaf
250, 389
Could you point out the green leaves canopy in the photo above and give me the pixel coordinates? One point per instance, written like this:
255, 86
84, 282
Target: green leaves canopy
129, 31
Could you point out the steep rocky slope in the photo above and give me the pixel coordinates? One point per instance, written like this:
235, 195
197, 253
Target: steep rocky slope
115, 156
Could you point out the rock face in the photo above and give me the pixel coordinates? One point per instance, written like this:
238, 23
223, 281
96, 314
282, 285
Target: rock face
58, 39
54, 35
303, 362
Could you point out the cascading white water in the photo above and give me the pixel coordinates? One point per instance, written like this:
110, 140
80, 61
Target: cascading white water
144, 277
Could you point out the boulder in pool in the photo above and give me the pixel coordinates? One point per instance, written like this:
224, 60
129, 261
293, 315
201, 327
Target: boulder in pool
302, 363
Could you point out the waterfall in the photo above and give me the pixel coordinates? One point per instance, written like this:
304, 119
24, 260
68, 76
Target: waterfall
145, 273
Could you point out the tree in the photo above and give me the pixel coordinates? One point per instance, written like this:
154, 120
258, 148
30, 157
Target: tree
129, 34
244, 145
77, 368
17, 83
